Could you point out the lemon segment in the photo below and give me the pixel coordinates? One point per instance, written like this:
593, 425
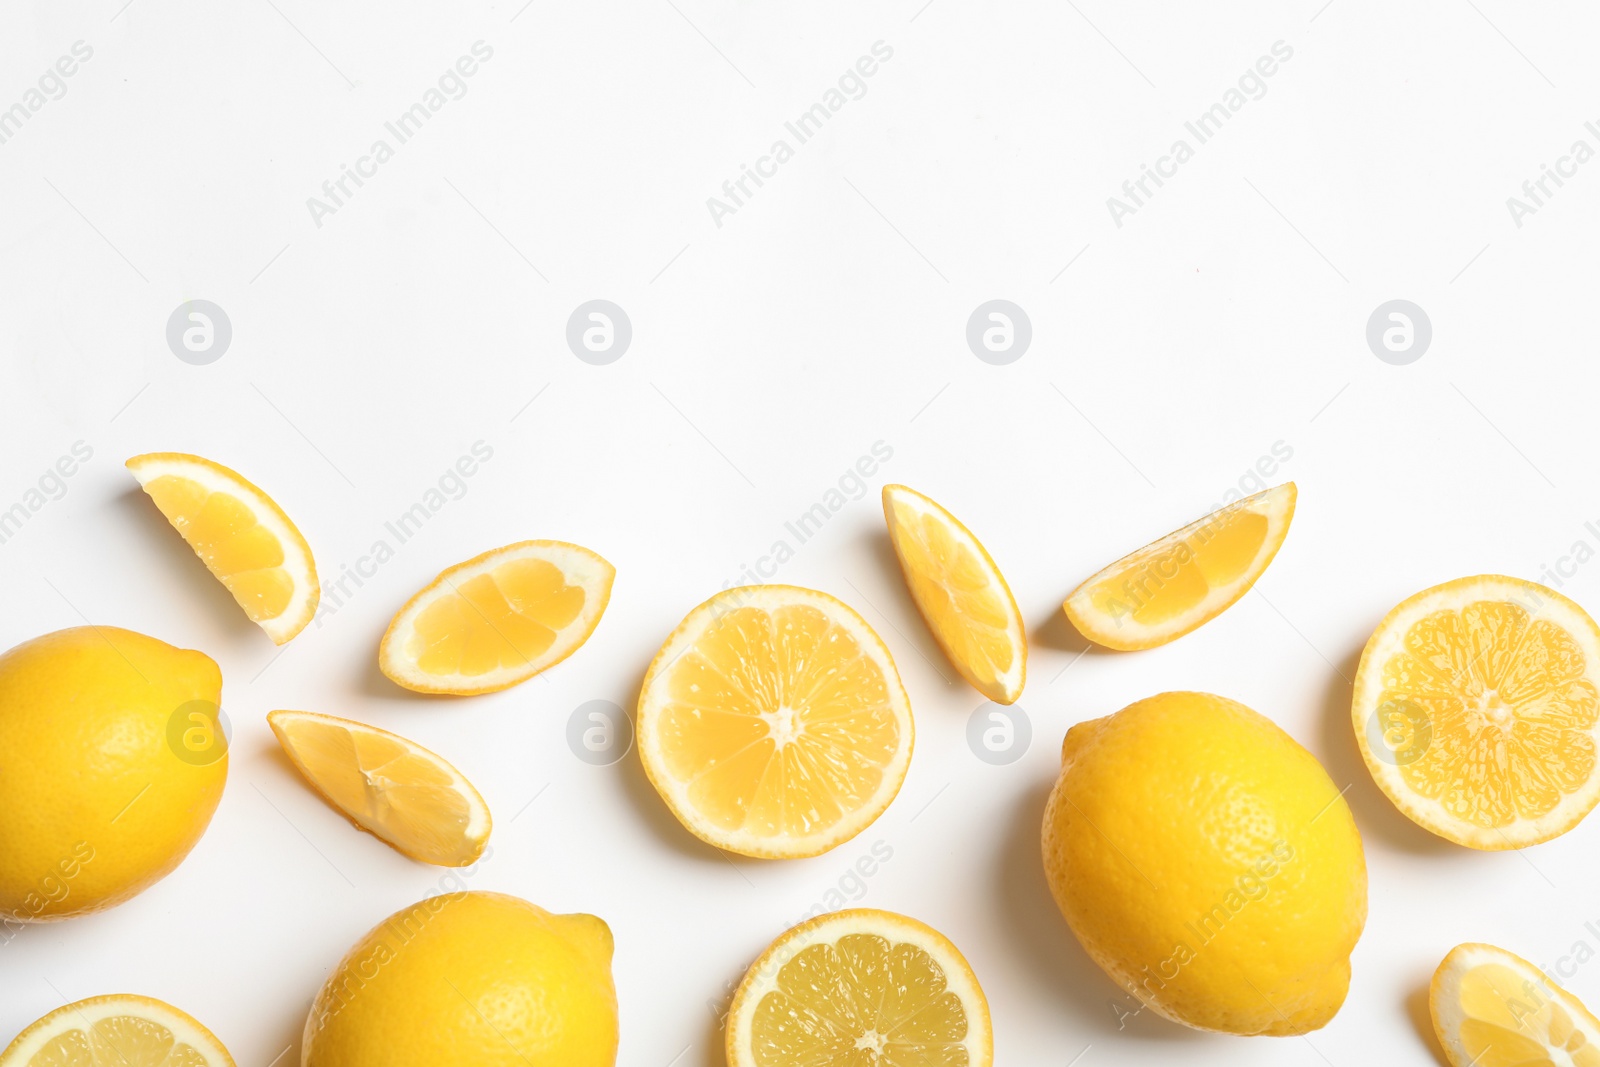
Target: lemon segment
1492, 1008
498, 619
121, 1030
1477, 710
240, 533
773, 722
1182, 581
394, 789
960, 592
860, 987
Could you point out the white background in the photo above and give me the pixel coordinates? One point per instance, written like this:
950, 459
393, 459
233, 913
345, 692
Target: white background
768, 355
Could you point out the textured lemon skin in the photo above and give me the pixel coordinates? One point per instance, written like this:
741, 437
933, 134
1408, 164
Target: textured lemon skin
1208, 864
95, 805
471, 979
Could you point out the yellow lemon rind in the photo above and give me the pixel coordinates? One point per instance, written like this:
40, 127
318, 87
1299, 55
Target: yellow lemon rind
1444, 1002
1126, 635
1138, 863
1004, 690
1389, 638
674, 793
85, 1013
578, 565
297, 557
762, 976
481, 824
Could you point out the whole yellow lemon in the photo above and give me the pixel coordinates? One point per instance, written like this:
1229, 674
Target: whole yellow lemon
1208, 863
112, 762
470, 979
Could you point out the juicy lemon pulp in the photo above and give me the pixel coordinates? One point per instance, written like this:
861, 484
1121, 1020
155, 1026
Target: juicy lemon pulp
1168, 580
497, 619
860, 1001
1492, 1008
245, 555
947, 576
1503, 1028
960, 593
120, 1030
505, 618
779, 722
1506, 713
389, 786
1179, 582
118, 1041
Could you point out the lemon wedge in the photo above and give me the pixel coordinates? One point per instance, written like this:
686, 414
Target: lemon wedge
1492, 1008
243, 536
497, 619
960, 592
1182, 581
390, 787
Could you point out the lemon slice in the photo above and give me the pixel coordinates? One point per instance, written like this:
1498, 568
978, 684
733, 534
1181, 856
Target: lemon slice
860, 987
960, 593
1495, 1009
244, 538
394, 789
1475, 708
773, 722
1187, 578
497, 619
121, 1030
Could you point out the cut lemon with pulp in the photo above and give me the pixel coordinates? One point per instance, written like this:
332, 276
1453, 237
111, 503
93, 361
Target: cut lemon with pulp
1475, 708
244, 537
773, 722
390, 787
498, 619
860, 987
960, 593
121, 1030
1187, 578
1495, 1009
